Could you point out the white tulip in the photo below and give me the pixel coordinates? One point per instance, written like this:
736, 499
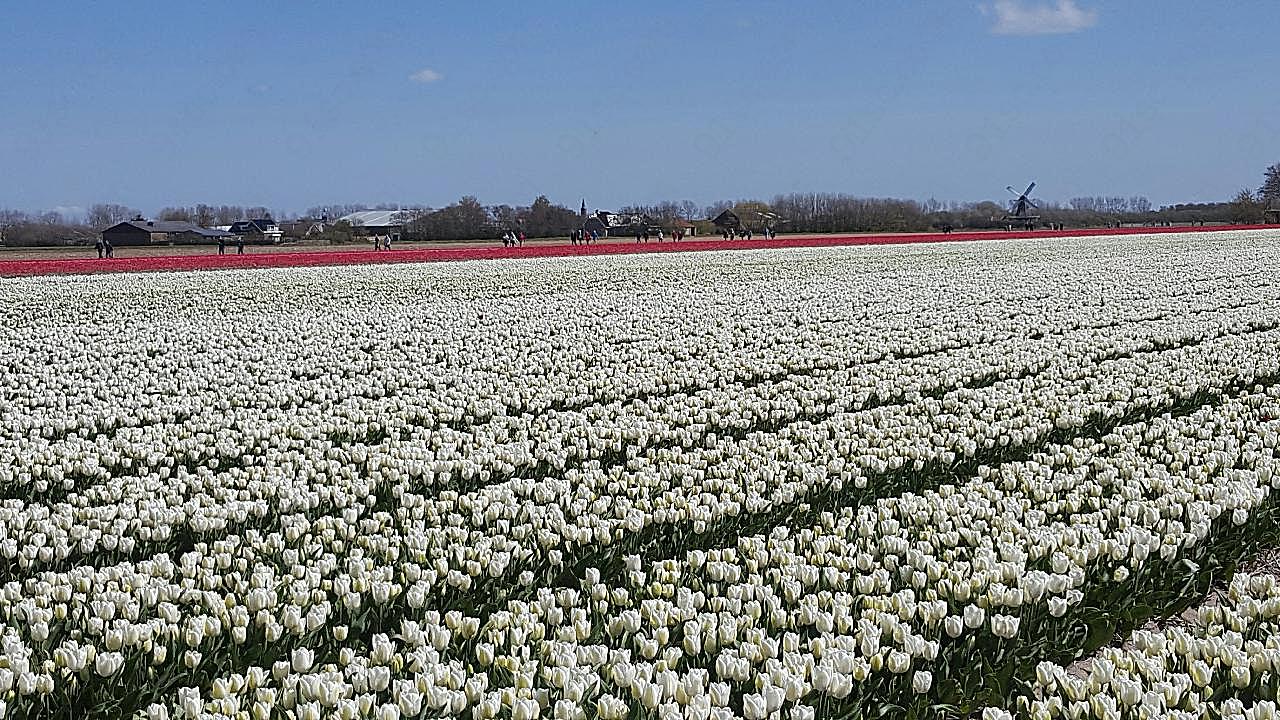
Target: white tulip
301, 660
921, 681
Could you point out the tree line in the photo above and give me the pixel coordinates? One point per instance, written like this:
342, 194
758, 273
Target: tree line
1253, 206
468, 218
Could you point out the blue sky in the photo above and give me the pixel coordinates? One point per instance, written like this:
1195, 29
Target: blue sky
290, 105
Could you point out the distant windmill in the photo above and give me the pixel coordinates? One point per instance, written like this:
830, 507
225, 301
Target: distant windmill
1018, 208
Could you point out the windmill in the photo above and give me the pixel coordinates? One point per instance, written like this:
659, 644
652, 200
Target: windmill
1018, 208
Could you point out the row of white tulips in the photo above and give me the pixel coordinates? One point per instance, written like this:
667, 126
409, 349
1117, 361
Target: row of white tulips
1220, 661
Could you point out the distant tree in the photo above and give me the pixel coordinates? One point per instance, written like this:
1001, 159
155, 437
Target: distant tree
46, 229
716, 208
505, 216
180, 214
228, 214
472, 219
1269, 193
1246, 208
104, 215
333, 212
8, 220
545, 219
466, 219
752, 213
205, 215
336, 233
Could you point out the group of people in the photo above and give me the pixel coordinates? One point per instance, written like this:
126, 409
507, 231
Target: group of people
511, 238
1031, 225
105, 248
584, 237
381, 242
643, 235
222, 245
746, 233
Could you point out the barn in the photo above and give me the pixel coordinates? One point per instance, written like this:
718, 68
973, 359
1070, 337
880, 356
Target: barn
727, 220
161, 232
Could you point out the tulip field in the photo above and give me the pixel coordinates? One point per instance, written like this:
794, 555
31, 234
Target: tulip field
1003, 479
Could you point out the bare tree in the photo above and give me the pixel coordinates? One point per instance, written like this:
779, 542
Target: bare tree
181, 214
1246, 207
104, 215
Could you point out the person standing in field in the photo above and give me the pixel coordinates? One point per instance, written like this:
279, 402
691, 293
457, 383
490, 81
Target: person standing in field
386, 243
222, 245
239, 244
99, 247
111, 251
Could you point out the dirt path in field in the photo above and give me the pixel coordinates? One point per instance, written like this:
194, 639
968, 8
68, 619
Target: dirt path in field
1268, 563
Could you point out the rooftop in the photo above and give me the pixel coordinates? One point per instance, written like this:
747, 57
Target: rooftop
261, 225
170, 226
375, 218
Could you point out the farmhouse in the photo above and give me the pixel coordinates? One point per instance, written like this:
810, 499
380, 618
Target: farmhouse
260, 230
160, 232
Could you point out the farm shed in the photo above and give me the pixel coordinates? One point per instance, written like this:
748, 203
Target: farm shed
157, 232
377, 222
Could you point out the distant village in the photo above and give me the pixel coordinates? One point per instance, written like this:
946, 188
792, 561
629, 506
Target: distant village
469, 219
141, 231
392, 225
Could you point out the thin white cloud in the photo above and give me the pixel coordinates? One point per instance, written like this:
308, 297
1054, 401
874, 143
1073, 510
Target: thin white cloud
425, 76
1056, 17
